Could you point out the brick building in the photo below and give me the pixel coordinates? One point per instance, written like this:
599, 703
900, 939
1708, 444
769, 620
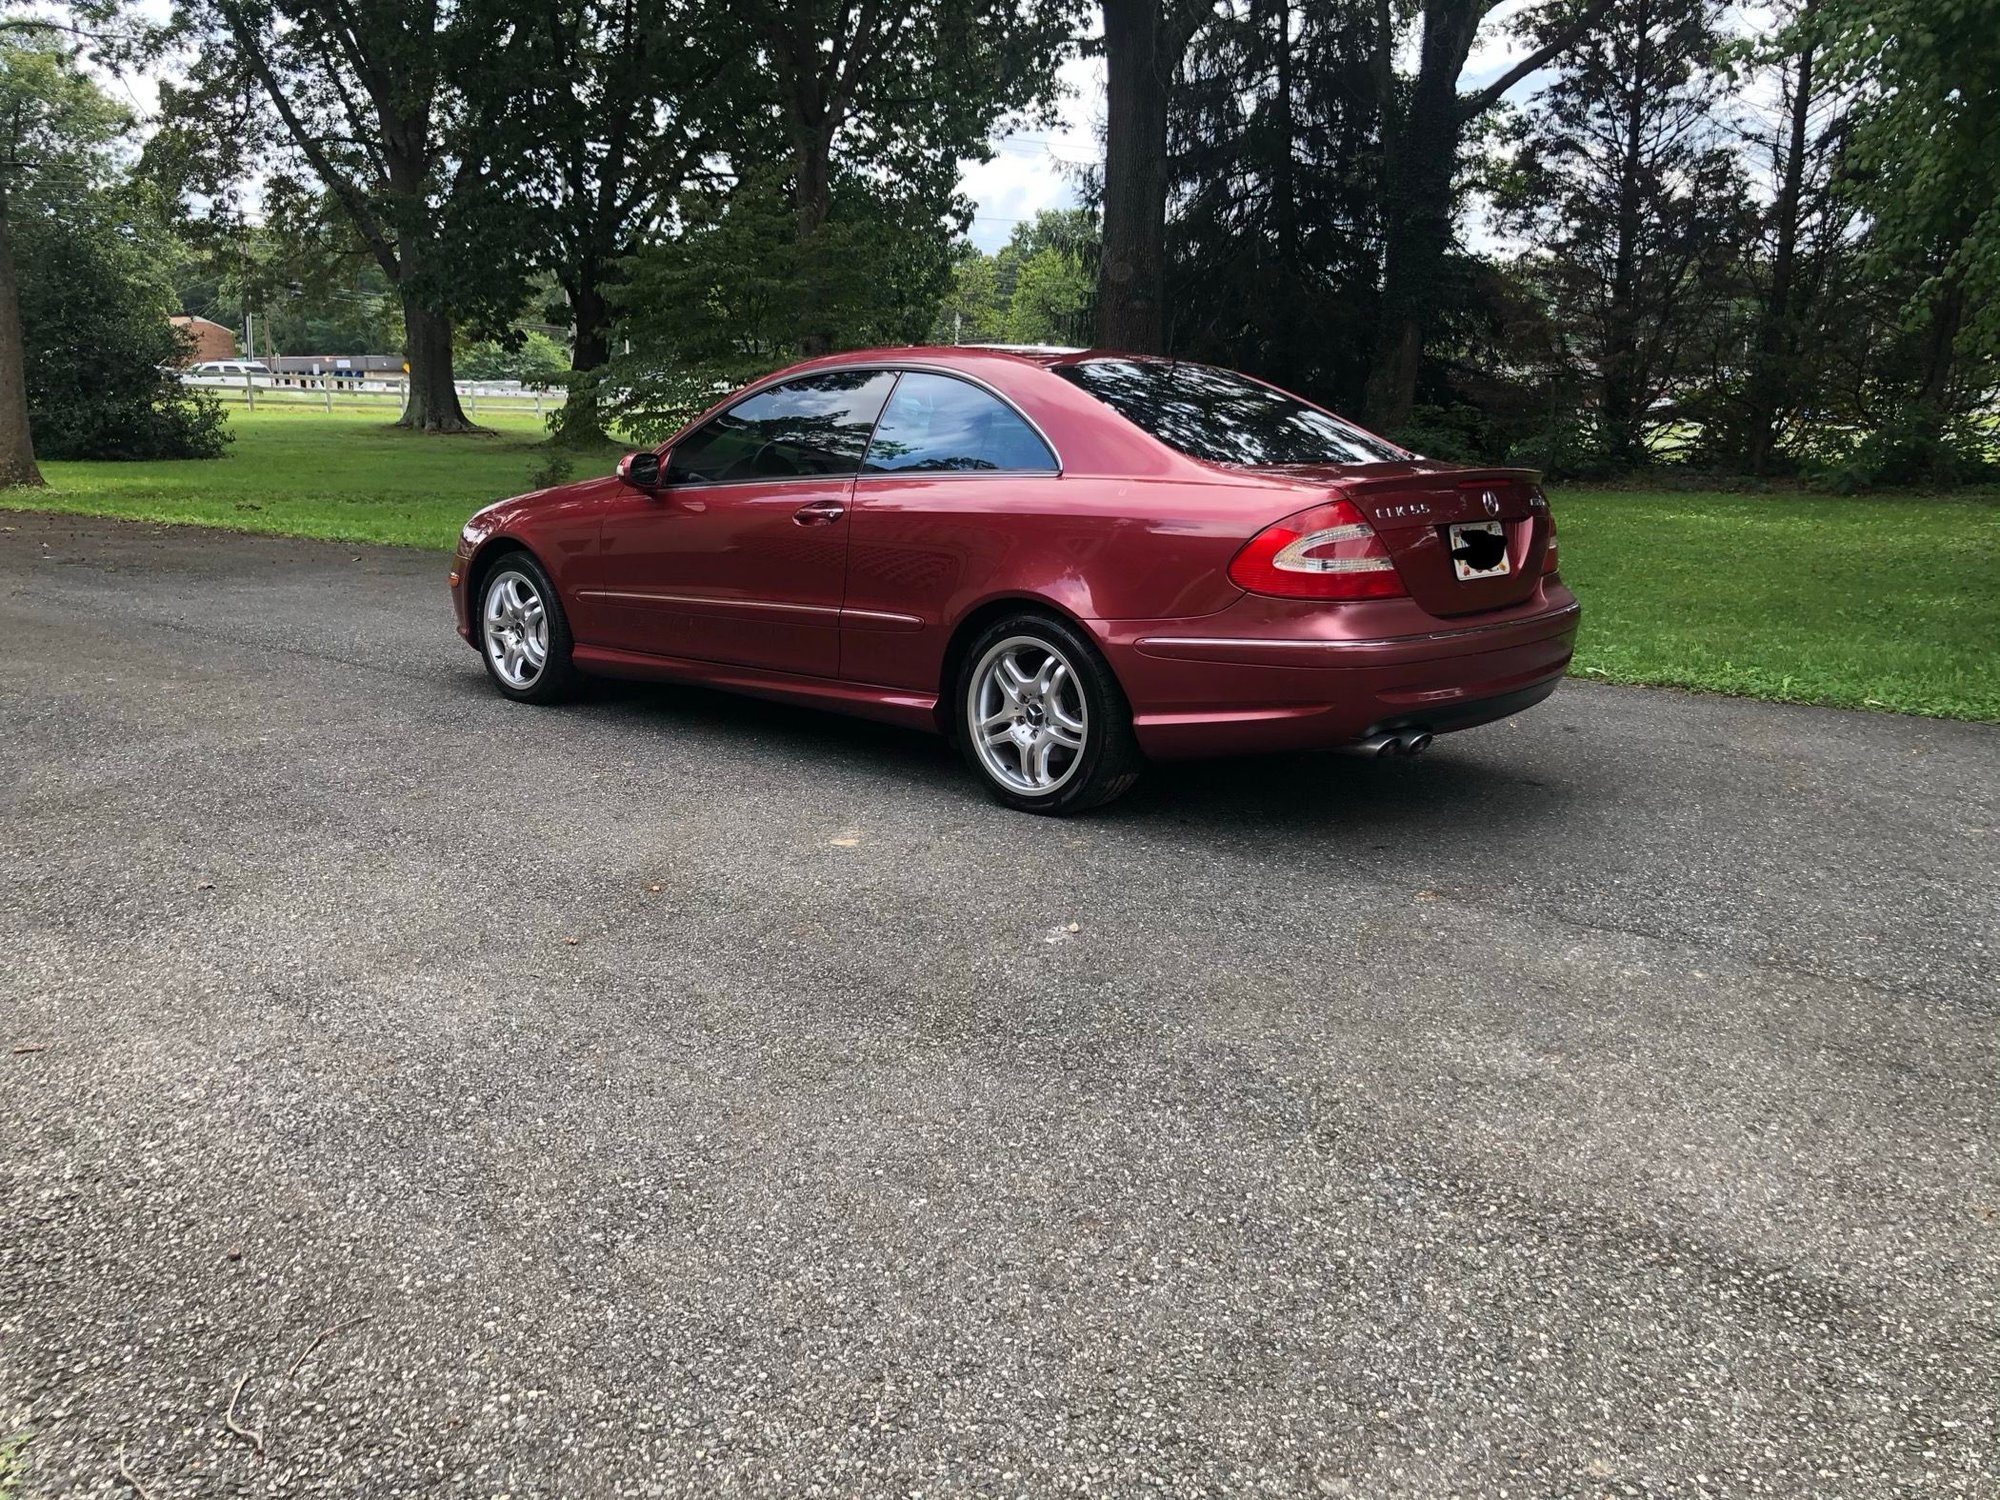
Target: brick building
211, 340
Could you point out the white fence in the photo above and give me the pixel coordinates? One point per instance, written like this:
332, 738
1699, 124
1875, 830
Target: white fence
346, 393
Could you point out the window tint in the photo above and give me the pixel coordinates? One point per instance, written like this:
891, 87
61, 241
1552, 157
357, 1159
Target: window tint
1224, 417
937, 425
818, 425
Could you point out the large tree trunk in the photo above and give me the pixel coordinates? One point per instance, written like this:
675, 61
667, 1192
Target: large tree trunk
590, 315
1621, 391
813, 186
1420, 162
1938, 355
1773, 379
17, 444
1132, 267
1284, 189
432, 404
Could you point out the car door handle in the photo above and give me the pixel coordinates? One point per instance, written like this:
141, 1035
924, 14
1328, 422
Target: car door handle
819, 513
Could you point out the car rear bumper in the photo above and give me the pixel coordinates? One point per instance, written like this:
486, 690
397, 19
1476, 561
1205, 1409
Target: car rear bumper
1263, 676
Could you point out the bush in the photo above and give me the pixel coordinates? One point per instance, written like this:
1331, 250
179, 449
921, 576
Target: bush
649, 397
101, 356
539, 360
1565, 447
738, 294
1442, 432
1913, 448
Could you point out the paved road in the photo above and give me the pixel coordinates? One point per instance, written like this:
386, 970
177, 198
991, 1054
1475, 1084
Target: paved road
701, 1098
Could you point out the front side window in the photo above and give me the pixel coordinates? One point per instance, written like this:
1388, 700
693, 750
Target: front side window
815, 426
1223, 417
937, 425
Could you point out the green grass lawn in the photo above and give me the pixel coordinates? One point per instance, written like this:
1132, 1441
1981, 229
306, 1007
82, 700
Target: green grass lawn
1858, 603
1890, 603
300, 472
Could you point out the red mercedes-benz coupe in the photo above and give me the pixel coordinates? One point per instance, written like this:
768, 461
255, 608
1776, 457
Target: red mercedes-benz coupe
1066, 561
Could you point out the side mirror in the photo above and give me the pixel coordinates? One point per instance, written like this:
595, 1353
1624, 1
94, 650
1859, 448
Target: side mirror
641, 470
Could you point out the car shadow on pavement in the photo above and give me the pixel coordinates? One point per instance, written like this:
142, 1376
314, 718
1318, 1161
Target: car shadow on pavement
1442, 792
737, 716
1445, 791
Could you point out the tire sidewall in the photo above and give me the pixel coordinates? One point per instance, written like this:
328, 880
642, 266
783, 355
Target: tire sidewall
1108, 717
558, 676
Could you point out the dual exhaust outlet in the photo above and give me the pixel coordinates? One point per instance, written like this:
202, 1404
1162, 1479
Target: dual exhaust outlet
1403, 742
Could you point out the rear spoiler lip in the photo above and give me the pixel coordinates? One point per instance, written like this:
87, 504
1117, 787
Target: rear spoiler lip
1371, 479
1373, 484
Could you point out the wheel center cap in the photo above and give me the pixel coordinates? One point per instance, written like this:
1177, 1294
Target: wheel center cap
1034, 711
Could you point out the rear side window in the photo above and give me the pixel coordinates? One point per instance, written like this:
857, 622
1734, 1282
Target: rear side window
937, 425
815, 426
1224, 417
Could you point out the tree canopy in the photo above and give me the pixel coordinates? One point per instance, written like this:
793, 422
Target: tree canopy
1651, 235
88, 271
404, 118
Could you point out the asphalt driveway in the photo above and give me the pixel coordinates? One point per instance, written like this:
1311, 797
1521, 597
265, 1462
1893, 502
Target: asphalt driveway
698, 1097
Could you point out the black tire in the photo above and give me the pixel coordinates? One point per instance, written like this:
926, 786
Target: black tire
1029, 726
556, 678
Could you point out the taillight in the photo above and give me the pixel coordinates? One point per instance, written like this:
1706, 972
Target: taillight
1327, 552
1549, 548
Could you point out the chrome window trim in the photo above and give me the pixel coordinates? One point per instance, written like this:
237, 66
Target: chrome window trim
979, 385
750, 393
894, 367
1101, 357
729, 484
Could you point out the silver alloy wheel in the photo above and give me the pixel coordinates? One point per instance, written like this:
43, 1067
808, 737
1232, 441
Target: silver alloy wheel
515, 628
1027, 715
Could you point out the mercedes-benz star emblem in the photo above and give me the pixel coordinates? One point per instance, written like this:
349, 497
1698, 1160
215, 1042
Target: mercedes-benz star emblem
1492, 503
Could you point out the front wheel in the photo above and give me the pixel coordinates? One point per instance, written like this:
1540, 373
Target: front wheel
1042, 720
523, 634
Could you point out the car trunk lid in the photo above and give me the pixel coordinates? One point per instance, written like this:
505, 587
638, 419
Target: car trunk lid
1495, 516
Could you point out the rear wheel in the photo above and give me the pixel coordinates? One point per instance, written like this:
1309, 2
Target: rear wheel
1042, 720
523, 634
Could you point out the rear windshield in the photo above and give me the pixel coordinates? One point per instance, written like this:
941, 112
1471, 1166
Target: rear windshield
1224, 417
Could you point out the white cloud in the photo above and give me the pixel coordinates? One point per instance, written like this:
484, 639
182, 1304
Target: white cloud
1035, 167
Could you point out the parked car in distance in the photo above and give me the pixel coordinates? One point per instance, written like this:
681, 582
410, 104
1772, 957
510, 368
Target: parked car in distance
228, 368
1067, 561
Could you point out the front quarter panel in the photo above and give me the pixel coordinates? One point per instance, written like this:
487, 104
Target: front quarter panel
559, 526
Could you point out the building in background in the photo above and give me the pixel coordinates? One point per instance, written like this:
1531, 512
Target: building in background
211, 340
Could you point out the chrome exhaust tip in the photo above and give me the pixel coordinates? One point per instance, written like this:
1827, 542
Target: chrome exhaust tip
1416, 742
1374, 746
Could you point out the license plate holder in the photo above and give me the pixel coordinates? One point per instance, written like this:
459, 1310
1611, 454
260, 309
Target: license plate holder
1478, 550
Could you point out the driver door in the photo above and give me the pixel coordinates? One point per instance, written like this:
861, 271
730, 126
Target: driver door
741, 557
